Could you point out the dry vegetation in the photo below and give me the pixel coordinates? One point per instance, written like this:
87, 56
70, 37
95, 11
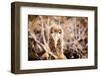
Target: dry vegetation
57, 37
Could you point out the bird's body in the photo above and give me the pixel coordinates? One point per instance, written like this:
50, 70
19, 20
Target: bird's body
56, 41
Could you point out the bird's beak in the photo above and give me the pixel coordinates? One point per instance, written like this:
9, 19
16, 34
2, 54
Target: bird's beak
56, 40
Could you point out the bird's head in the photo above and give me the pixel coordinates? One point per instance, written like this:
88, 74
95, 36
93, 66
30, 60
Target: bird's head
56, 33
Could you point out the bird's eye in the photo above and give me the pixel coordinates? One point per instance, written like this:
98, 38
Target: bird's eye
51, 31
59, 31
